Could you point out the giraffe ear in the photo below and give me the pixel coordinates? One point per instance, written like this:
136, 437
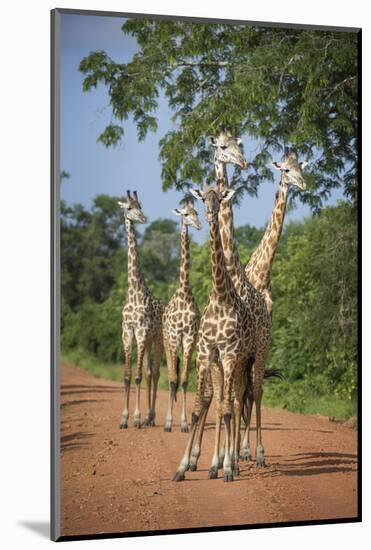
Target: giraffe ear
239, 141
176, 211
212, 140
277, 165
303, 164
123, 205
196, 193
227, 195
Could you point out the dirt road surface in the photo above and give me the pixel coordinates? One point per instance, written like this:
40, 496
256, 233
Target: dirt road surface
120, 481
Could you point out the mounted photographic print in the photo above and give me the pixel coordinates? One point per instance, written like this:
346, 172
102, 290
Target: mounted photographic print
205, 210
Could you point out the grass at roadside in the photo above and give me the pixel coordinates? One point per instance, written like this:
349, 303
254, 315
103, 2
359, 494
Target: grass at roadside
292, 396
297, 397
114, 371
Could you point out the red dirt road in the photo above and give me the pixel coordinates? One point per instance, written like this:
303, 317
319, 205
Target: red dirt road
120, 481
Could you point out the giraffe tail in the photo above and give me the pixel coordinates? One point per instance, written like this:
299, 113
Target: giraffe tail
269, 373
274, 373
177, 370
248, 366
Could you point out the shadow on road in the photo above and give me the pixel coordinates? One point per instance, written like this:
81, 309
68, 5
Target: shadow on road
79, 402
92, 390
75, 441
311, 464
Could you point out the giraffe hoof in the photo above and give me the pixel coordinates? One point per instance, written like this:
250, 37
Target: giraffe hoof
167, 428
236, 471
184, 429
213, 473
193, 467
137, 424
228, 476
260, 462
123, 425
179, 476
246, 457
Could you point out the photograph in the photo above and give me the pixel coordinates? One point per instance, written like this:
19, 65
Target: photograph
205, 274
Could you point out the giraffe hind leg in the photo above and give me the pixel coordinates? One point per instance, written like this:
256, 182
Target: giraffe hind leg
172, 362
141, 352
229, 368
127, 337
245, 451
158, 351
149, 379
247, 407
187, 355
260, 460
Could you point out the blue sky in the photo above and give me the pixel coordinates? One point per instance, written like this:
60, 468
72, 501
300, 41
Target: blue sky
132, 165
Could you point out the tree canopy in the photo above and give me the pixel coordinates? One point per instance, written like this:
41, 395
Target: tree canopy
278, 86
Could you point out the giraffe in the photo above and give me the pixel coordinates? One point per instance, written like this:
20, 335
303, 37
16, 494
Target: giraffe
227, 149
225, 343
181, 321
259, 268
142, 320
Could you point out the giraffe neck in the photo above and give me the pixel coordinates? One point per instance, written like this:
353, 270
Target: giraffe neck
221, 282
135, 278
220, 170
232, 259
264, 255
184, 258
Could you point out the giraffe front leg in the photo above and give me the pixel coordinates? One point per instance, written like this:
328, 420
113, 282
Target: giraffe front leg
204, 401
218, 390
228, 368
213, 471
184, 463
127, 337
221, 452
198, 413
196, 448
171, 357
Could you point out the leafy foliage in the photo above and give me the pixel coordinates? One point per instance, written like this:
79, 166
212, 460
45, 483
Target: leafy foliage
278, 86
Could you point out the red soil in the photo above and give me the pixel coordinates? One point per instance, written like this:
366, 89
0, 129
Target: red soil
120, 481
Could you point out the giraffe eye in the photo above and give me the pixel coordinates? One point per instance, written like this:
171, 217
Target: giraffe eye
287, 170
223, 146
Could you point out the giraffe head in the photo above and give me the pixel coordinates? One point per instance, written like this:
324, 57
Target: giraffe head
132, 208
291, 169
189, 215
228, 148
212, 198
